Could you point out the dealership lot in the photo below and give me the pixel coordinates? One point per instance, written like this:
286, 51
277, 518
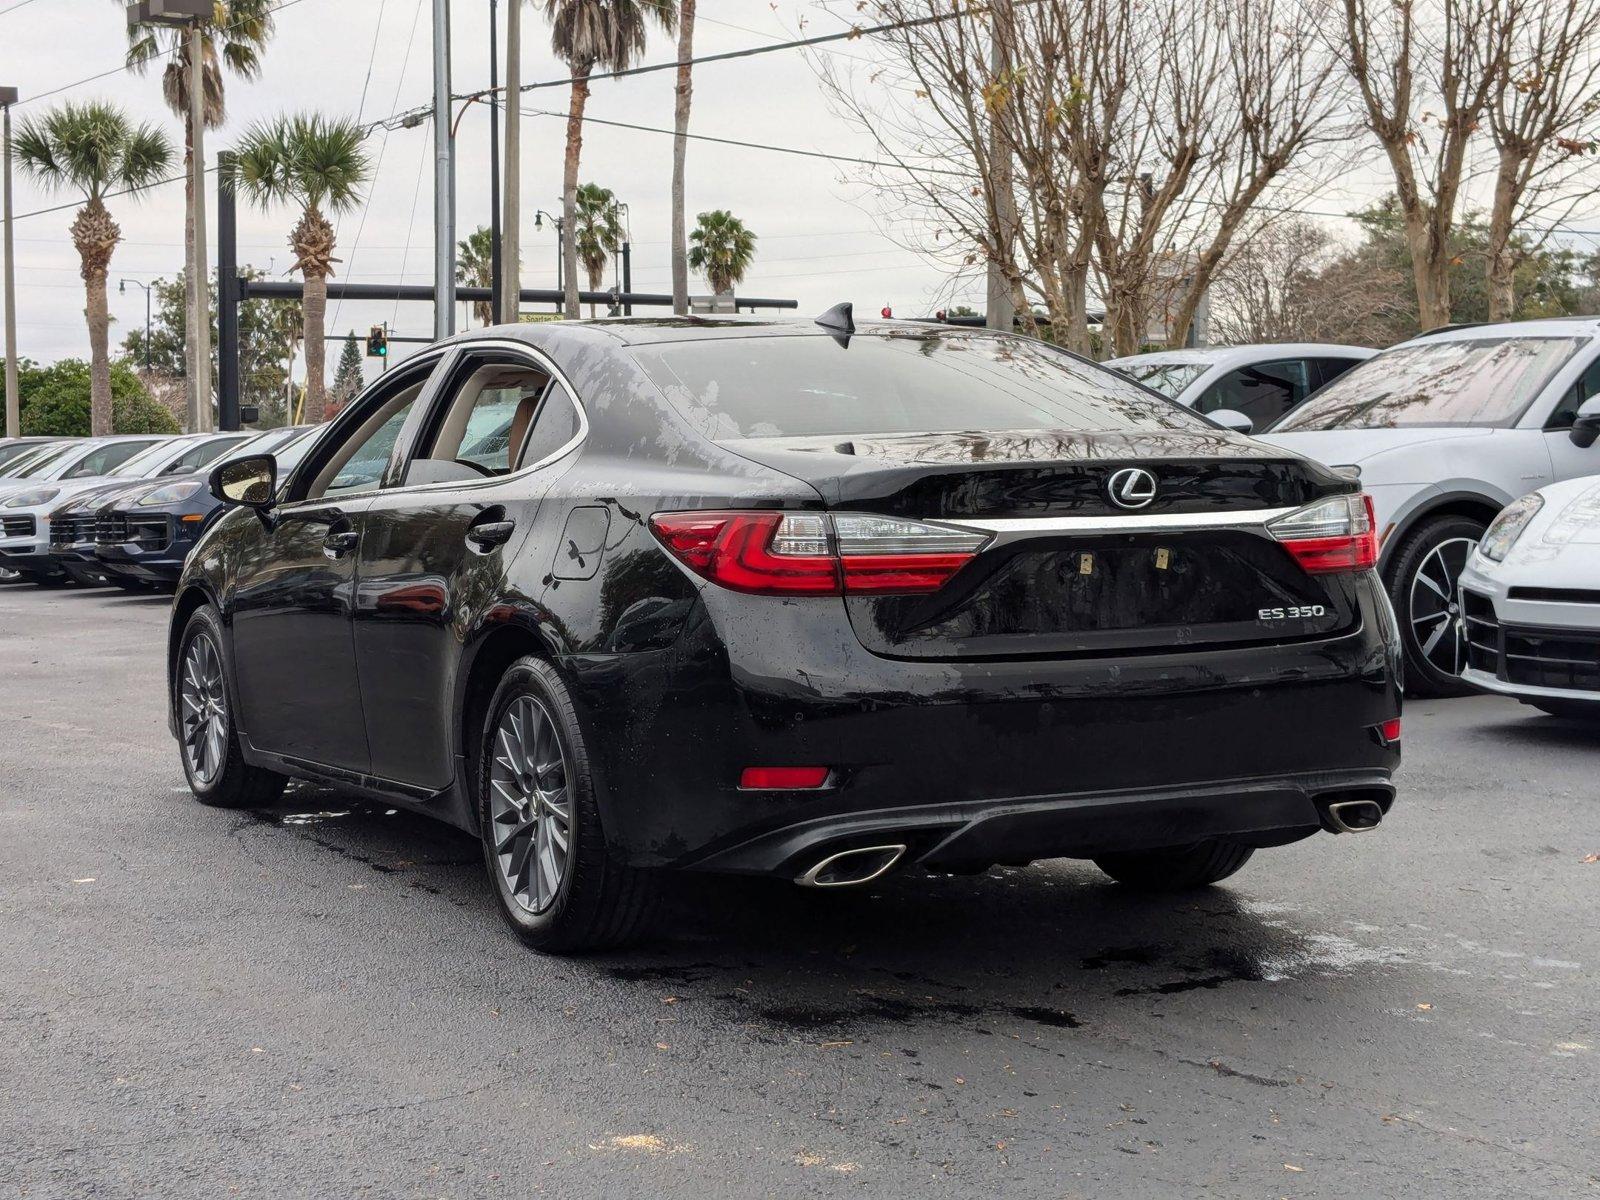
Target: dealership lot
319, 999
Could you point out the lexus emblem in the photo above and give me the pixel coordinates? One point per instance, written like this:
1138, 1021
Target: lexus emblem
1131, 487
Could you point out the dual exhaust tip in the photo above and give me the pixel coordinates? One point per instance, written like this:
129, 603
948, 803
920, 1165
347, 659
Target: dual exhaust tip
851, 868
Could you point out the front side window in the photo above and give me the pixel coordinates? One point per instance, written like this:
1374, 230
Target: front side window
1263, 391
1488, 381
1586, 387
903, 382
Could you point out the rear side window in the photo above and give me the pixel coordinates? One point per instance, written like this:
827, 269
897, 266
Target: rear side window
810, 386
555, 424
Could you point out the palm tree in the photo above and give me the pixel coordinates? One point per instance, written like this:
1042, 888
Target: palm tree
721, 249
585, 34
316, 163
475, 268
599, 232
95, 149
680, 150
233, 37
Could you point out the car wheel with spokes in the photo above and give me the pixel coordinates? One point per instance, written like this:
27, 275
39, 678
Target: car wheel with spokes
208, 741
558, 884
1423, 583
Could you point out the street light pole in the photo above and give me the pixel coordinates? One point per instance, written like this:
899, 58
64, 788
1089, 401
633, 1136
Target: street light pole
200, 419
444, 179
8, 97
122, 286
495, 303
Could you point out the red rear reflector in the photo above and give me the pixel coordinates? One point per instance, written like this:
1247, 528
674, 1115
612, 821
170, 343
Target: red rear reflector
782, 778
1389, 731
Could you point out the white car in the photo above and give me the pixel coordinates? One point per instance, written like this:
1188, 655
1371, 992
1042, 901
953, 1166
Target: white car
1263, 382
25, 504
1446, 430
1530, 601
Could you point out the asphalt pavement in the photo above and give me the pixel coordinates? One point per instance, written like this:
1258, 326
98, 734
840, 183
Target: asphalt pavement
320, 1000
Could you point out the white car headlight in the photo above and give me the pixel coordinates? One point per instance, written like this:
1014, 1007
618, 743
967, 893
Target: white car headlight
1505, 529
33, 499
171, 493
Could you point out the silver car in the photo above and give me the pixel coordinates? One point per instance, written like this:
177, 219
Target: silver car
1530, 601
1446, 430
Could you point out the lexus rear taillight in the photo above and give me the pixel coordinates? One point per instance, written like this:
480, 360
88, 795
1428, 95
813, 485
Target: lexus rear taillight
1336, 534
819, 554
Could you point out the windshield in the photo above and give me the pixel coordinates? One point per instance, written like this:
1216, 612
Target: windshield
1168, 378
17, 453
808, 386
1486, 381
288, 453
44, 459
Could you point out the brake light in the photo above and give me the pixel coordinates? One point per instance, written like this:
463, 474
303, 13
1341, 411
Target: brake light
773, 553
1336, 534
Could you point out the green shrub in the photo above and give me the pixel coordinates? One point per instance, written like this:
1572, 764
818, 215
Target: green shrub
55, 401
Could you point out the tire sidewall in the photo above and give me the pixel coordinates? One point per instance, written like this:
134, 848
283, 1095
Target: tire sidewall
1422, 676
547, 930
204, 620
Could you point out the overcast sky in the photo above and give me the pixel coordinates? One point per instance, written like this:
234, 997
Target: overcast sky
823, 237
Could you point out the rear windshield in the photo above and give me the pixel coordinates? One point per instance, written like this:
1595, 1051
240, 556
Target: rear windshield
1487, 381
896, 383
1168, 378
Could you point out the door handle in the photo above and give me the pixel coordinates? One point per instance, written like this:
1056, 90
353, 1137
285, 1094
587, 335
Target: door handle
490, 534
337, 545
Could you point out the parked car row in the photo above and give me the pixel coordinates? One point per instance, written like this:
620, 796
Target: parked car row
121, 510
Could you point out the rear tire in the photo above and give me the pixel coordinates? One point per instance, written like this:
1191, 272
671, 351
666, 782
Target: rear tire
212, 760
1177, 869
1423, 584
557, 883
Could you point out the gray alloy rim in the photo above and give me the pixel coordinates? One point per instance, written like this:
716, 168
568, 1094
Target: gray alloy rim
205, 709
1436, 604
530, 805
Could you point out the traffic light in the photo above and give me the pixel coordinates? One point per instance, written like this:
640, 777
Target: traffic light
378, 342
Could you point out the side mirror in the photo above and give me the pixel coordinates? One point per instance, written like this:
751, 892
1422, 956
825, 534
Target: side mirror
252, 481
1586, 425
1232, 418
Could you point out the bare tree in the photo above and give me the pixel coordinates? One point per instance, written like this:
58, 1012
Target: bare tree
1540, 108
1425, 72
1140, 137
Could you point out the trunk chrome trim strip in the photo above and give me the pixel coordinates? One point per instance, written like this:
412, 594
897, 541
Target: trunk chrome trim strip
1140, 523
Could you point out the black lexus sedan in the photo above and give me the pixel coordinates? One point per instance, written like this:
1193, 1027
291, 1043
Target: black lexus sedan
793, 599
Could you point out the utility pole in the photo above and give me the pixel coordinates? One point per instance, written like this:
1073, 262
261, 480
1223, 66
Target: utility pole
1000, 308
495, 303
511, 220
444, 180
8, 97
229, 399
200, 420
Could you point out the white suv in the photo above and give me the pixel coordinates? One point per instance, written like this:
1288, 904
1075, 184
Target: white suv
1447, 429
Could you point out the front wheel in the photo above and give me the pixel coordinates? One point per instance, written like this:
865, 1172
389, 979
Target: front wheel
1177, 869
1423, 583
558, 884
209, 745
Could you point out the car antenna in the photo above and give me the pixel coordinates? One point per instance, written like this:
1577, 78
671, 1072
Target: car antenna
840, 322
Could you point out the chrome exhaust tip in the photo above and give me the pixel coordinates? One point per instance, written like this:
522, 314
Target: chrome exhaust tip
851, 868
1354, 816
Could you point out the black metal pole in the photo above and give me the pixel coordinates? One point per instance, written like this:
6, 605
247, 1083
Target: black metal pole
228, 293
496, 286
627, 276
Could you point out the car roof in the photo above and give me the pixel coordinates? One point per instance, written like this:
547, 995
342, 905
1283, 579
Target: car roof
1549, 327
643, 331
1254, 352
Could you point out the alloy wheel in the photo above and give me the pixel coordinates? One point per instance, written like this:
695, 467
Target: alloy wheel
530, 804
205, 710
1436, 604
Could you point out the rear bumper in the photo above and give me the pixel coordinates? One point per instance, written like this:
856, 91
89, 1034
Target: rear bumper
977, 760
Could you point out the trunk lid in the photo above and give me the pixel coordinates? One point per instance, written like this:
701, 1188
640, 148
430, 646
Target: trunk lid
1068, 571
